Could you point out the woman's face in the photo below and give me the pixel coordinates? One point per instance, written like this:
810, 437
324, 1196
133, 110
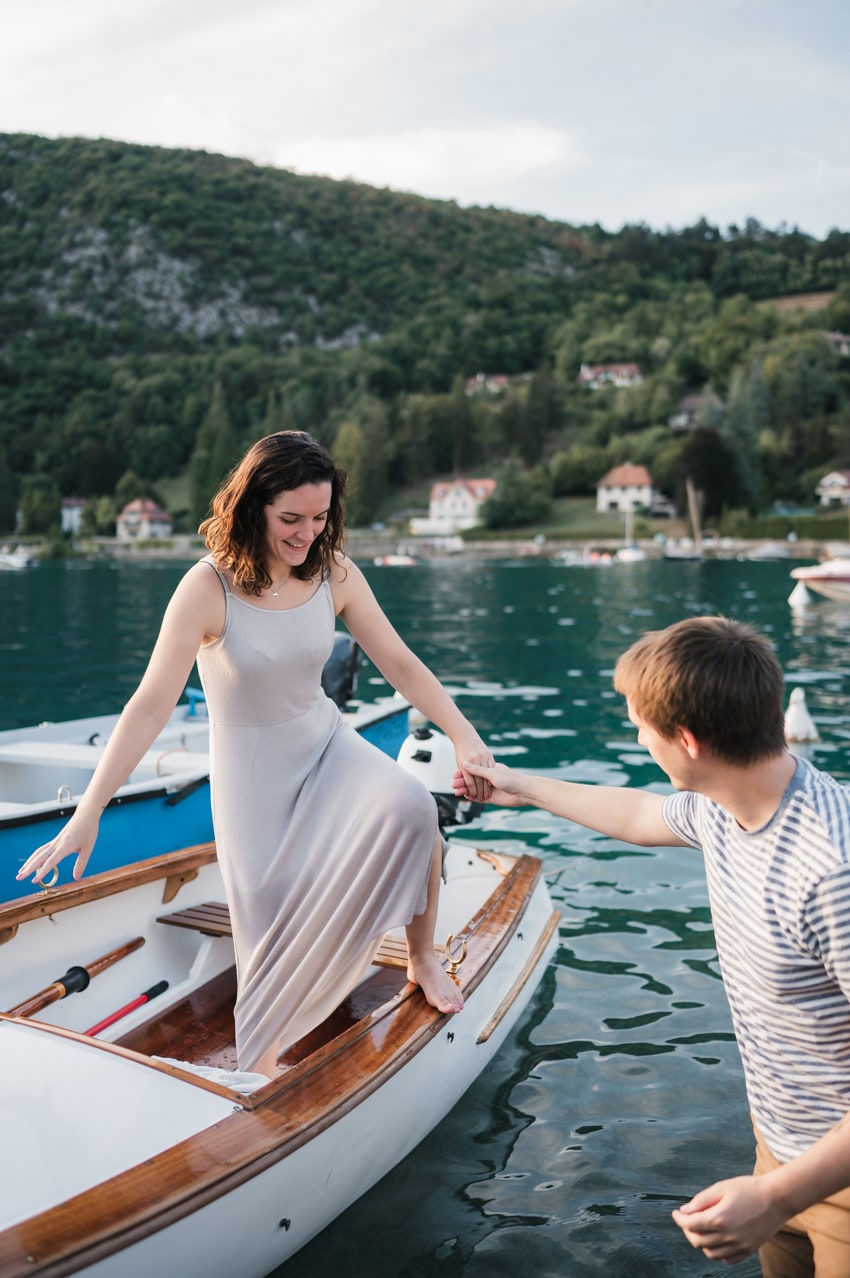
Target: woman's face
294, 519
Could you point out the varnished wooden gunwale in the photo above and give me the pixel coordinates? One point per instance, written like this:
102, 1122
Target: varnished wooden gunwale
174, 867
265, 1127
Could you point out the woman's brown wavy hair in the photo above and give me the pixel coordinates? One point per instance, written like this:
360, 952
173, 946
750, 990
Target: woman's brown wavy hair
235, 532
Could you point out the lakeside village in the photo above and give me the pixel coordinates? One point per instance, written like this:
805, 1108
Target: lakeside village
145, 530
455, 523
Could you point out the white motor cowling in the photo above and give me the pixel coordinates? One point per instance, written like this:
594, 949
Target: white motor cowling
429, 755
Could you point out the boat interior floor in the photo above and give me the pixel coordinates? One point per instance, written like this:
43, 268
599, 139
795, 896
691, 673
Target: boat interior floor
199, 1028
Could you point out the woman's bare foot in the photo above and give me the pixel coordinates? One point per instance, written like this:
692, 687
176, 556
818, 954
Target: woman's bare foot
438, 987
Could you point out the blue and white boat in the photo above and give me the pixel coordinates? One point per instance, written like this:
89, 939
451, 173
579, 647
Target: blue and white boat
165, 803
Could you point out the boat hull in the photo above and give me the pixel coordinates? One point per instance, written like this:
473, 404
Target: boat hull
255, 1177
830, 579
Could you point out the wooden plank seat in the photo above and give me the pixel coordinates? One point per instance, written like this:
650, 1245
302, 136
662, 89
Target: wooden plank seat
213, 919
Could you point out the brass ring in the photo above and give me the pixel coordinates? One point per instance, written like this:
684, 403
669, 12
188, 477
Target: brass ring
51, 882
454, 963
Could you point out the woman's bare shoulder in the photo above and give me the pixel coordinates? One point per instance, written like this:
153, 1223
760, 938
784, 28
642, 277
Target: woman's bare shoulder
342, 569
202, 578
199, 597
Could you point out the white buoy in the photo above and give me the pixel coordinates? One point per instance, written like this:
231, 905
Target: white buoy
799, 725
799, 597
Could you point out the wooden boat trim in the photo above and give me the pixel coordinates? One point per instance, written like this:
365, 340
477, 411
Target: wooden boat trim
176, 868
265, 1127
515, 990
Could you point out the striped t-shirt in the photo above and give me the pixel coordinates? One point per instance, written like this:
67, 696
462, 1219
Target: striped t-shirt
780, 904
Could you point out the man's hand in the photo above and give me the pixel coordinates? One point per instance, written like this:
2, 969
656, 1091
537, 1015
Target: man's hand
732, 1218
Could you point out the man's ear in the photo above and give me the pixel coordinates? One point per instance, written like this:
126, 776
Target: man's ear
688, 742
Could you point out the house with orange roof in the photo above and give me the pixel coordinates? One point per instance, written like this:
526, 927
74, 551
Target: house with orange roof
143, 520
624, 488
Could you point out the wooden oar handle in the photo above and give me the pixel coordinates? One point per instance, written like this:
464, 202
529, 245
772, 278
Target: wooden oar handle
114, 956
74, 980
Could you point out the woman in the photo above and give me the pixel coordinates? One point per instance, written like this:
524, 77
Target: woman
324, 842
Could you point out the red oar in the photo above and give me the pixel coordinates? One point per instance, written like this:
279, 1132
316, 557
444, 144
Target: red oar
159, 988
74, 980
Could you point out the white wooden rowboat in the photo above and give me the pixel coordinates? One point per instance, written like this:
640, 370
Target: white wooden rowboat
120, 1165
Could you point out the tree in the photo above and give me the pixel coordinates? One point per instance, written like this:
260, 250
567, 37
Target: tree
461, 426
521, 498
746, 418
8, 491
710, 462
360, 448
41, 506
541, 416
214, 454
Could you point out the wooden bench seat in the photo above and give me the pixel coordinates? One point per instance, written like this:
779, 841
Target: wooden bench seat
213, 919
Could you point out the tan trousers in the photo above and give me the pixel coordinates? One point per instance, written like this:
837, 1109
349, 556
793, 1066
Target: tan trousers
815, 1244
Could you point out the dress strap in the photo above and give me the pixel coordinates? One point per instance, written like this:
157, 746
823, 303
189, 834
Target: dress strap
208, 559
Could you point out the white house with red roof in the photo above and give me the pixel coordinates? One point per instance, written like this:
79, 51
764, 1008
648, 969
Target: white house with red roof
454, 505
143, 520
624, 488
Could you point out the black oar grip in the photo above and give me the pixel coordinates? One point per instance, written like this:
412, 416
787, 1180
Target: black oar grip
75, 980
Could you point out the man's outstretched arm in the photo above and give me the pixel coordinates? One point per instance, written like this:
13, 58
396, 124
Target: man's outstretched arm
618, 811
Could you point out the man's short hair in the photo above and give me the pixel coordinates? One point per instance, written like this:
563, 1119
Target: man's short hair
718, 678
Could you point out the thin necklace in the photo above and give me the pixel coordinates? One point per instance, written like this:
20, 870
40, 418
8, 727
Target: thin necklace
276, 589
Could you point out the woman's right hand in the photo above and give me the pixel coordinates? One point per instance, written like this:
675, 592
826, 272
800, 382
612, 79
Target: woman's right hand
77, 837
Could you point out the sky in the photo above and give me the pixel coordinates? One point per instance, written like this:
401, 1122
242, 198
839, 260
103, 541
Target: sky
584, 111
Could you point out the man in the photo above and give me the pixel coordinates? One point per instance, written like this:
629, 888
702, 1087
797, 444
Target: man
706, 698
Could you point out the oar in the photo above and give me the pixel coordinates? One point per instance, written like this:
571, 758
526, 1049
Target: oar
74, 980
159, 988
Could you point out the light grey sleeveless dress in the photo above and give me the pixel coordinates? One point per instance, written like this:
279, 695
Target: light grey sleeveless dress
324, 842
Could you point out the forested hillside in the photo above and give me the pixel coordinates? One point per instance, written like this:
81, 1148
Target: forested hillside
161, 309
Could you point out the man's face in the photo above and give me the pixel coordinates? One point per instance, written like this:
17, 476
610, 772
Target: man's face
668, 752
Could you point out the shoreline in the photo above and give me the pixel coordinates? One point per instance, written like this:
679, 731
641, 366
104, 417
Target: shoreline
371, 546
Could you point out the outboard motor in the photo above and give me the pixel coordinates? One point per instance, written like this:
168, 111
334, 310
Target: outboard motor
339, 676
429, 755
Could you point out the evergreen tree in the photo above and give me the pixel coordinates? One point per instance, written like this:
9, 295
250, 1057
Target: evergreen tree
8, 492
741, 427
215, 453
41, 506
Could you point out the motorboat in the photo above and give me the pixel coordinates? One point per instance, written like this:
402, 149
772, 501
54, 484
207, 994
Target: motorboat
132, 1142
15, 560
165, 803
830, 578
765, 551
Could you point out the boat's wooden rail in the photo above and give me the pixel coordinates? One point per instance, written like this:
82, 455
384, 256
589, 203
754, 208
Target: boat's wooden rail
174, 868
287, 1113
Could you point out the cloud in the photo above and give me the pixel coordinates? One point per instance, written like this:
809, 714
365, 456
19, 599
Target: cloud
466, 164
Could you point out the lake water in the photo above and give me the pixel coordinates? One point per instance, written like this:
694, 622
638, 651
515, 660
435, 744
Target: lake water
620, 1094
